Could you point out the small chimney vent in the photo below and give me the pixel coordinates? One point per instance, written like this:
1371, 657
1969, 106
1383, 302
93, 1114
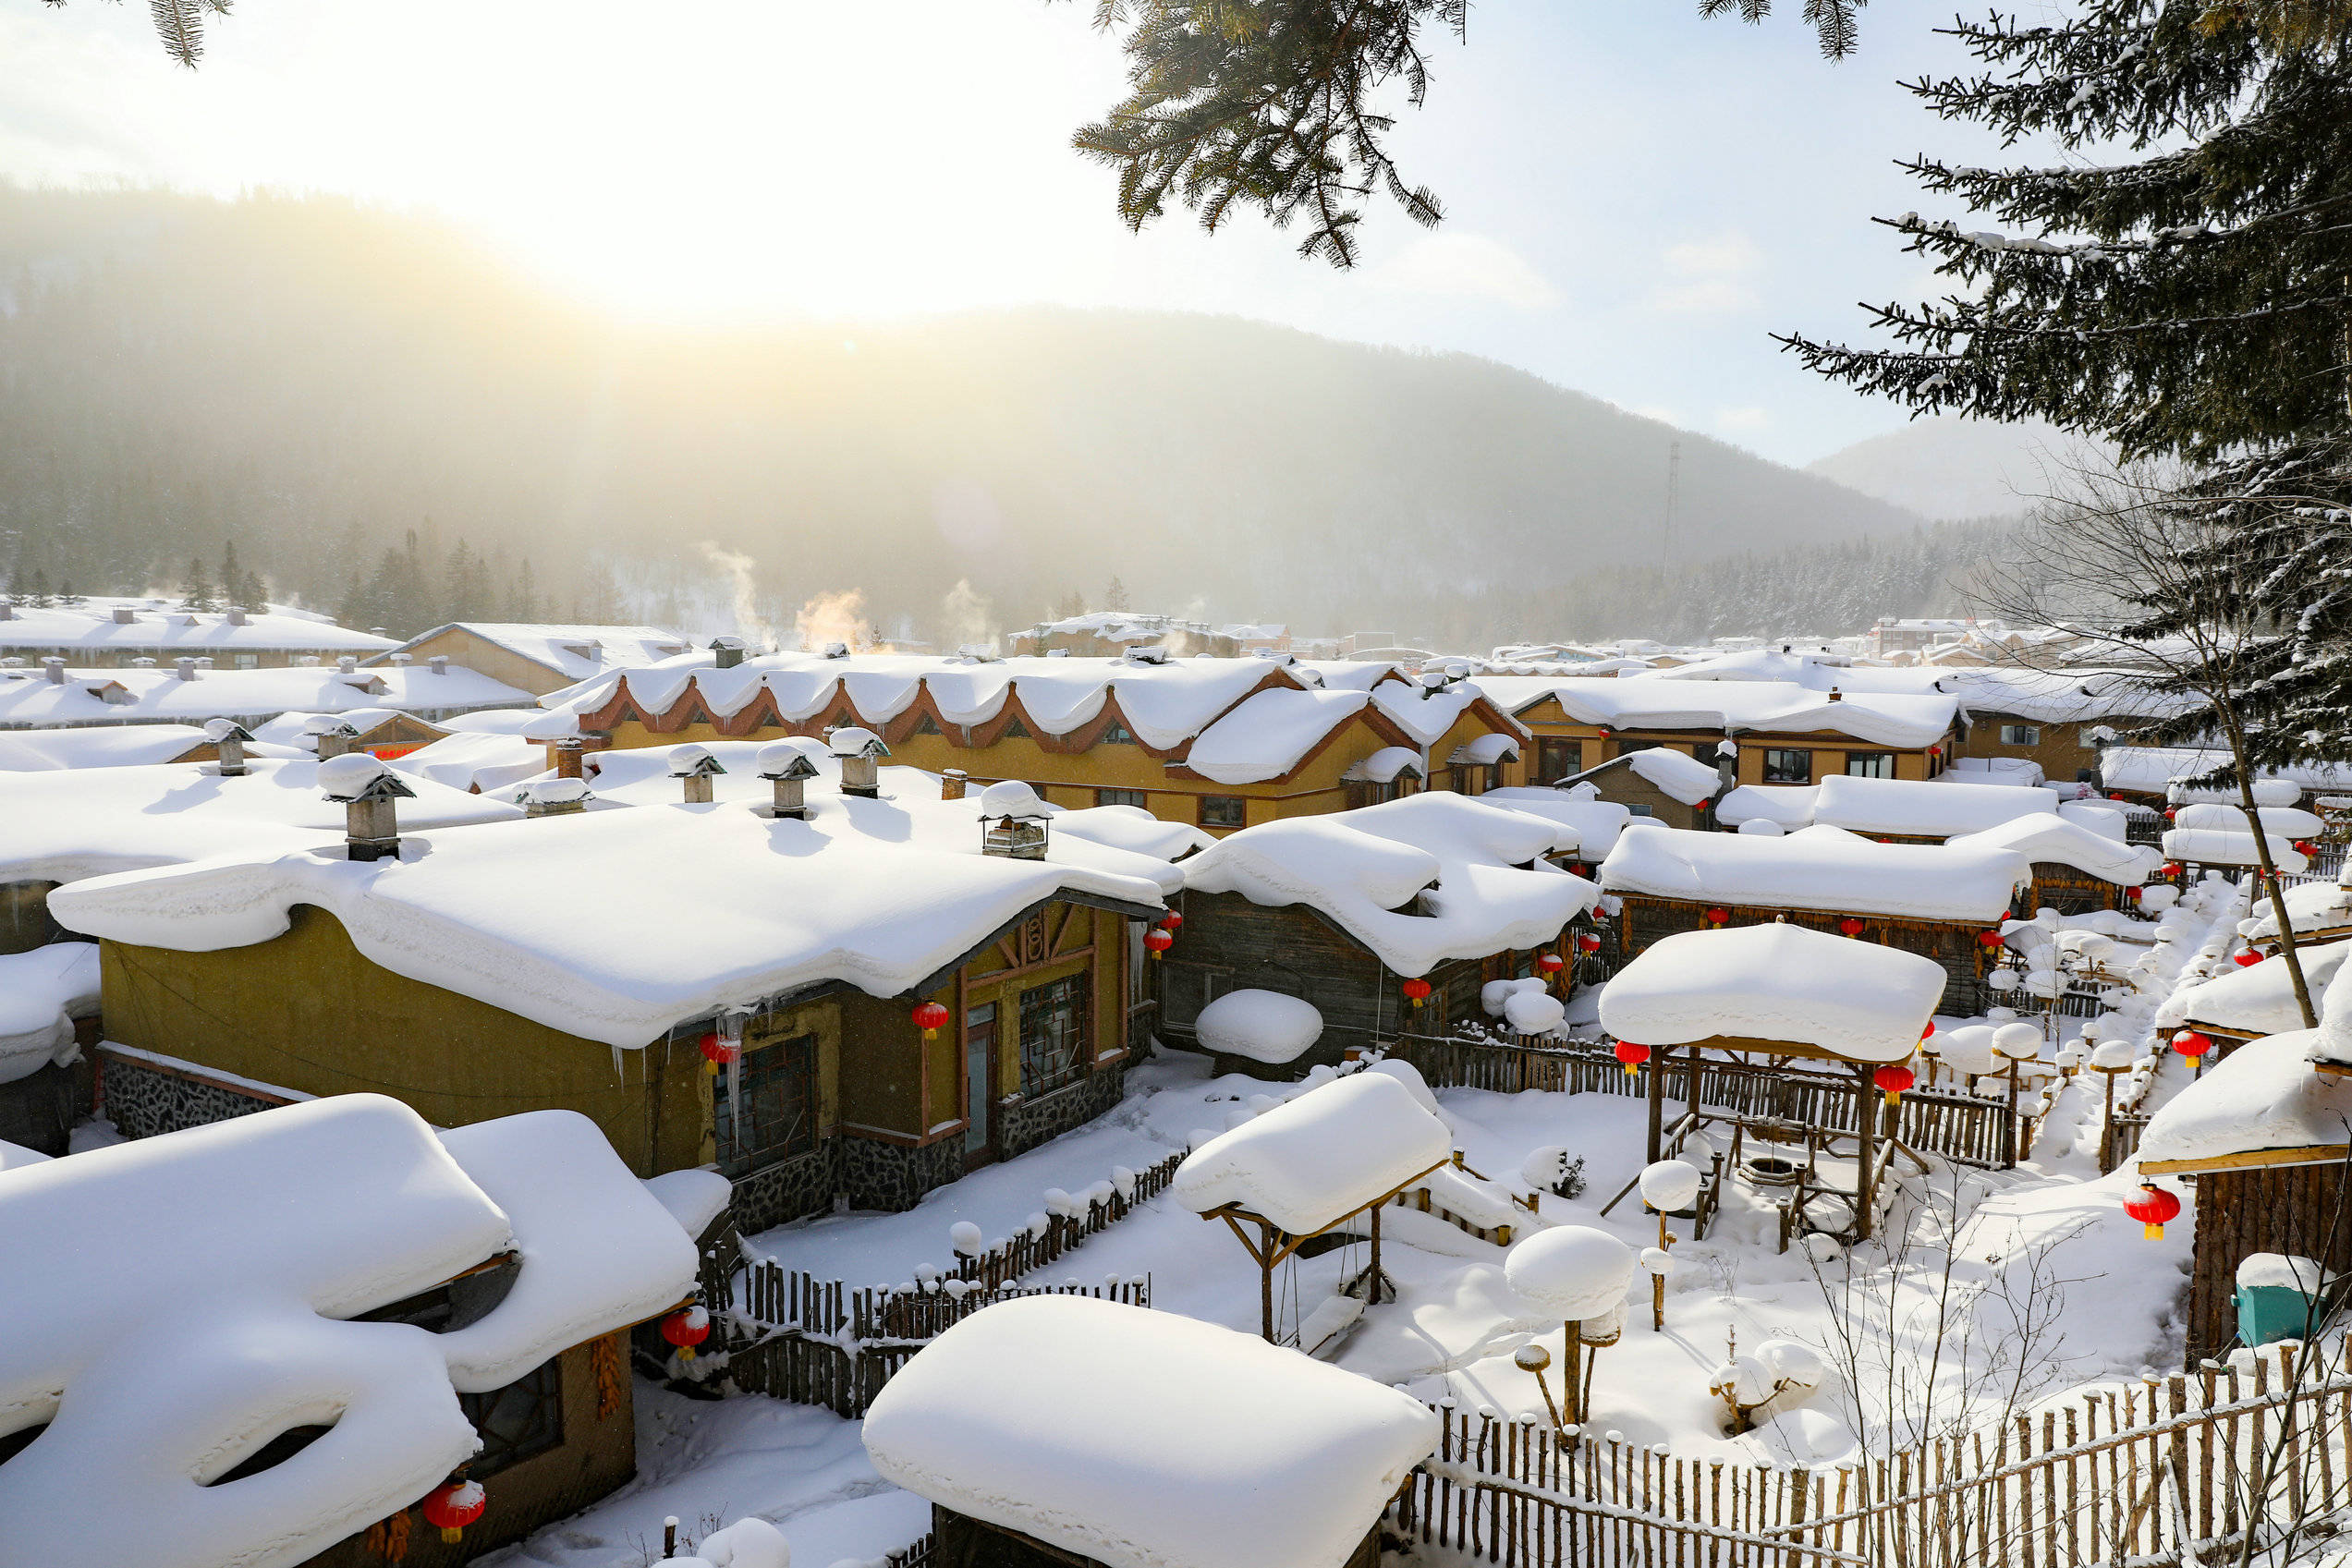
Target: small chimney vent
54, 668
1835, 695
555, 797
787, 766
349, 664
330, 736
440, 663
236, 616
694, 768
366, 790
125, 615
1012, 821
568, 756
402, 658
7, 609
859, 752
727, 652
953, 782
228, 738
184, 668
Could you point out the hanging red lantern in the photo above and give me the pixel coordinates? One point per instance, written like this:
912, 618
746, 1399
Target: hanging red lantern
1604, 731
1158, 941
931, 1017
2152, 1209
1702, 806
1850, 925
1632, 1055
1172, 921
1550, 962
1417, 990
2247, 959
2132, 893
2118, 795
1927, 1033
1893, 1079
717, 1051
686, 1328
2191, 1044
1718, 917
2170, 814
2169, 868
1588, 941
1577, 868
453, 1505
1988, 940
2305, 848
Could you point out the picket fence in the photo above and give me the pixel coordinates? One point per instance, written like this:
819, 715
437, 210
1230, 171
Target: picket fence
2171, 1470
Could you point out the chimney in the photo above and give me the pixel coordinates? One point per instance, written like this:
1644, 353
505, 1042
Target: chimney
952, 784
859, 753
228, 738
567, 754
349, 664
555, 797
440, 663
7, 609
1012, 821
786, 767
236, 616
184, 668
1835, 695
727, 651
694, 768
54, 668
366, 789
402, 658
331, 736
124, 614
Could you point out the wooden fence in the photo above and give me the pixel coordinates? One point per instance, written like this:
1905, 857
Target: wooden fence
1968, 1129
2161, 1471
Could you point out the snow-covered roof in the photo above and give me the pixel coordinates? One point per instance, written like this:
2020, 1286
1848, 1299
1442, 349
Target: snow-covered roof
1817, 867
1269, 732
616, 925
64, 826
1678, 773
1921, 809
97, 745
1788, 806
42, 990
2217, 846
2263, 1099
160, 628
1651, 702
1485, 750
2149, 770
1853, 999
1314, 1160
576, 653
1594, 822
2256, 1000
1418, 880
28, 698
1146, 1440
2312, 907
218, 1316
475, 761
2057, 840
2291, 822
1384, 765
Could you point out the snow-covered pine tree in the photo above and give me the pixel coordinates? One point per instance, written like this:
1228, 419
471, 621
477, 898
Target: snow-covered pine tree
2188, 301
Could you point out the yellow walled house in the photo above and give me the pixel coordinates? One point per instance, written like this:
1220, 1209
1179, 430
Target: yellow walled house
539, 658
1219, 744
826, 998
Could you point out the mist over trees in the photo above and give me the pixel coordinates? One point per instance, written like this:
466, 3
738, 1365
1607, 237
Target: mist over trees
314, 381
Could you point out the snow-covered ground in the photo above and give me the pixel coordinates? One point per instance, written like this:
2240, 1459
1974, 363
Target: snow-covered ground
1984, 1287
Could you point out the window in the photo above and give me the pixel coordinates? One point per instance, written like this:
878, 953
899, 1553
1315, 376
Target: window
1869, 764
248, 661
1638, 810
523, 1418
1114, 733
1463, 779
923, 725
1121, 797
776, 1116
1628, 747
1223, 811
1053, 1034
1556, 759
1015, 731
2021, 734
1787, 765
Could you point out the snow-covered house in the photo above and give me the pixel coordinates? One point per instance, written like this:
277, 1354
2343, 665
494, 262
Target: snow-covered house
853, 1000
2076, 867
189, 691
1340, 911
1661, 783
1109, 633
539, 658
1217, 743
98, 633
2240, 1004
1940, 901
131, 745
1059, 1430
268, 1342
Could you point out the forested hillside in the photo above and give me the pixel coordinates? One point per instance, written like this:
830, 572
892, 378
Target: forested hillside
314, 381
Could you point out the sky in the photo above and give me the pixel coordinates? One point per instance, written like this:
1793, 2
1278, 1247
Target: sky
1637, 199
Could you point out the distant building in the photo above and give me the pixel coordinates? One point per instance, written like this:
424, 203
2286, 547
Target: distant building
108, 633
55, 695
1109, 633
539, 659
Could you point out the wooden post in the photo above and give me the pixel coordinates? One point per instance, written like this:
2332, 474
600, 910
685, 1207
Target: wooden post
2107, 1121
1371, 1288
2015, 1153
1572, 1379
1657, 1102
1865, 1125
1266, 1280
1658, 1282
1690, 1102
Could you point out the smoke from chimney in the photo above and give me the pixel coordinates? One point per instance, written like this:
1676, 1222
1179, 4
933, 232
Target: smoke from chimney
750, 625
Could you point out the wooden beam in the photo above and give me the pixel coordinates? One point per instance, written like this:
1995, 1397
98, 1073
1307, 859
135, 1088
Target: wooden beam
2306, 1154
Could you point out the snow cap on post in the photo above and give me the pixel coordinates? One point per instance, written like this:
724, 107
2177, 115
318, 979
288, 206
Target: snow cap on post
1670, 1185
1571, 1273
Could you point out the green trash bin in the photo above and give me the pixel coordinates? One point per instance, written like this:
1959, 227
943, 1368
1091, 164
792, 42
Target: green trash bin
2280, 1296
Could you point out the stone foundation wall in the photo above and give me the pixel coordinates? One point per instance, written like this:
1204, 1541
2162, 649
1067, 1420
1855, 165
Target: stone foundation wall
791, 1189
891, 1176
1023, 1124
142, 1099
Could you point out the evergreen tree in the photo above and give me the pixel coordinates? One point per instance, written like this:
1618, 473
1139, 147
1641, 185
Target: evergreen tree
522, 597
2188, 301
1073, 605
39, 585
1114, 596
240, 586
195, 591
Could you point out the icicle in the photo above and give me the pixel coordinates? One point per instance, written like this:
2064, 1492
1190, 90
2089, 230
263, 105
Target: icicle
735, 1098
617, 1077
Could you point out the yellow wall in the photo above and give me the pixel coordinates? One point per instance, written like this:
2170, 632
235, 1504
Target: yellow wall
1830, 751
484, 657
2060, 750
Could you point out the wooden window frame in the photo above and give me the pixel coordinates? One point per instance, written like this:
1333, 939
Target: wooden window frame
1773, 751
2033, 731
1241, 811
735, 1160
1074, 993
1141, 798
1887, 758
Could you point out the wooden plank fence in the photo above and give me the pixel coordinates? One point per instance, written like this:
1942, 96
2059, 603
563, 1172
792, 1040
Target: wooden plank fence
1969, 1129
2169, 1470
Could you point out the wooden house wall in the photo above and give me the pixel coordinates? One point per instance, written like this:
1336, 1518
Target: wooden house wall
2060, 752
1955, 947
2300, 1209
2071, 891
25, 920
469, 650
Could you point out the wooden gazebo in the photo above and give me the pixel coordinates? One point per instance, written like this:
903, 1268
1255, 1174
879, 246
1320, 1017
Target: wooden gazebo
1813, 1031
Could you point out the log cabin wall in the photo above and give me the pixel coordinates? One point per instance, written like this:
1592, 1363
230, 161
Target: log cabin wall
2301, 1209
1955, 947
2071, 891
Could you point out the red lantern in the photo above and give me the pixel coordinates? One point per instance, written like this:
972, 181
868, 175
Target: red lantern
1172, 921
1702, 806
1578, 869
1158, 941
2169, 868
1588, 941
2118, 795
717, 1051
1550, 962
1417, 991
2247, 959
453, 1505
2170, 814
1632, 1055
1988, 940
2305, 848
1850, 925
2152, 1209
1893, 1079
931, 1017
1927, 1033
686, 1328
2191, 1044
1604, 731
1718, 917
2132, 893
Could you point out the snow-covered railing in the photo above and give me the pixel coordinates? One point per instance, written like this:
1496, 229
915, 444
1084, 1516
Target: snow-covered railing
2169, 1470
